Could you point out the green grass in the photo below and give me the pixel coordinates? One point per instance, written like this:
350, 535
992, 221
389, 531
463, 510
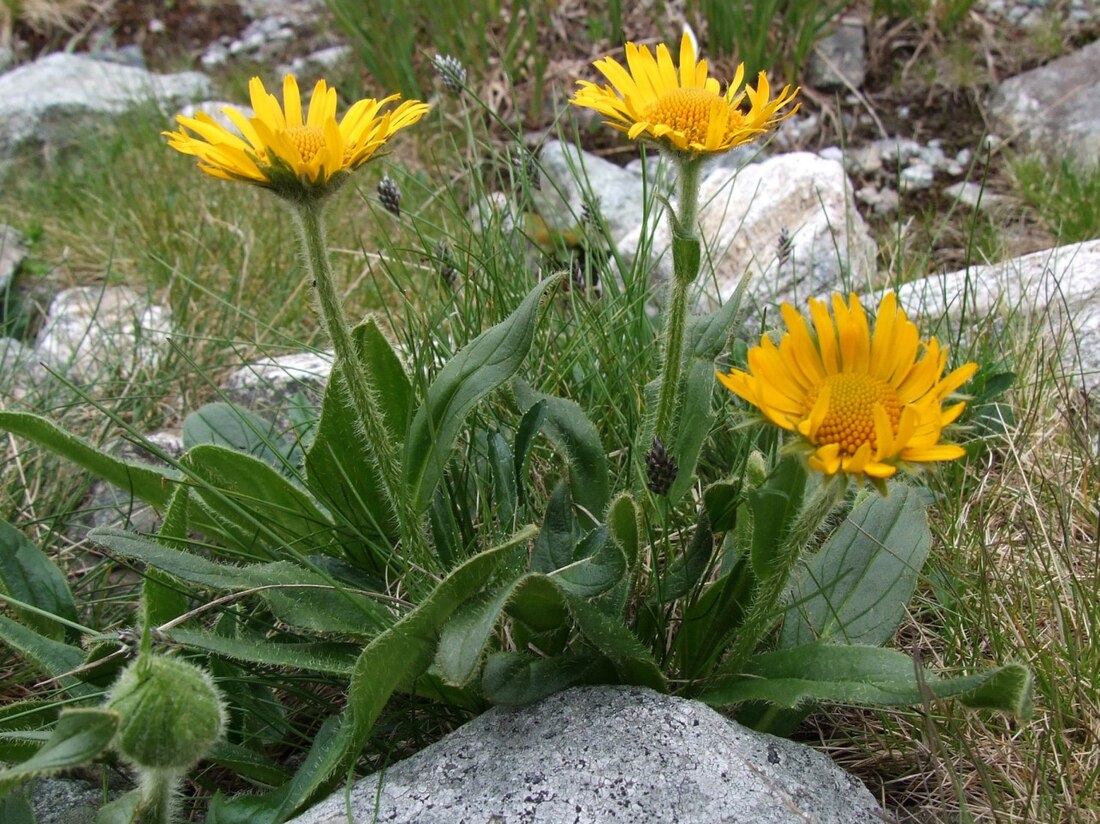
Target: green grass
1065, 194
1014, 569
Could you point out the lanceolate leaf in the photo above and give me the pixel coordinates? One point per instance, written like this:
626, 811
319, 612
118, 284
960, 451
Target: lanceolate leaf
334, 659
841, 674
696, 420
27, 575
80, 736
513, 679
52, 657
479, 367
148, 483
234, 427
576, 436
855, 590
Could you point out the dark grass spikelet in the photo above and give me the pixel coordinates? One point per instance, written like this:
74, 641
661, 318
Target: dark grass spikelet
661, 469
451, 72
526, 167
445, 263
389, 196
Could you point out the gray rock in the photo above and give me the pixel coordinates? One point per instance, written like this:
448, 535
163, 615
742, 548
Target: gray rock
572, 177
318, 62
66, 800
1054, 108
884, 201
916, 177
603, 755
976, 196
92, 333
50, 100
13, 251
1055, 292
20, 371
269, 386
108, 505
743, 216
838, 60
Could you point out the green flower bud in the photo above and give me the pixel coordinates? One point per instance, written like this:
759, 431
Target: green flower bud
172, 714
756, 470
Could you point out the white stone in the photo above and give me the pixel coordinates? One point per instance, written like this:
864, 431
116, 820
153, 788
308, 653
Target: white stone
297, 367
97, 332
1056, 293
51, 99
916, 177
975, 195
742, 217
13, 251
571, 178
1055, 107
606, 755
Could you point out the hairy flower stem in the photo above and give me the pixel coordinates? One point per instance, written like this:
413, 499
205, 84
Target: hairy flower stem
160, 800
378, 438
685, 264
764, 609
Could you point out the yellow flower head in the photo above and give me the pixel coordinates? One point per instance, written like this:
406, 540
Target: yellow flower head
683, 108
864, 403
278, 149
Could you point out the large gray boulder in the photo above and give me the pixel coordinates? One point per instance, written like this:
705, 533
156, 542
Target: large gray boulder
743, 218
13, 251
51, 100
1054, 293
1054, 108
93, 333
572, 177
604, 755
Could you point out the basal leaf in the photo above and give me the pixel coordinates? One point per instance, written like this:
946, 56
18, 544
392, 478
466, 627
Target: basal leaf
30, 577
479, 367
80, 736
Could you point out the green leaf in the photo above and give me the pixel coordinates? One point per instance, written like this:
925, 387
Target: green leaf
304, 599
16, 809
255, 505
598, 565
52, 657
248, 764
622, 520
711, 621
696, 420
406, 649
513, 679
709, 334
686, 569
633, 663
537, 607
340, 470
571, 431
775, 505
148, 483
478, 368
80, 736
856, 589
720, 501
862, 675
237, 428
29, 576
19, 723
126, 809
559, 533
466, 635
329, 658
504, 478
529, 426
377, 358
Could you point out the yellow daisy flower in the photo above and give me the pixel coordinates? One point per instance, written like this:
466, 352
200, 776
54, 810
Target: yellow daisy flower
683, 108
864, 403
279, 150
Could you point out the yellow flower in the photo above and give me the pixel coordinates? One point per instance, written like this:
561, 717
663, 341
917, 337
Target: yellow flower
682, 109
864, 404
278, 149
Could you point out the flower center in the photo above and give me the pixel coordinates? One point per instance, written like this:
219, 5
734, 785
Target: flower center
850, 418
685, 110
308, 139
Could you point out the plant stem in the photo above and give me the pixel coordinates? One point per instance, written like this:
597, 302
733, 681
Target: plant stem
685, 265
763, 612
378, 438
159, 802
